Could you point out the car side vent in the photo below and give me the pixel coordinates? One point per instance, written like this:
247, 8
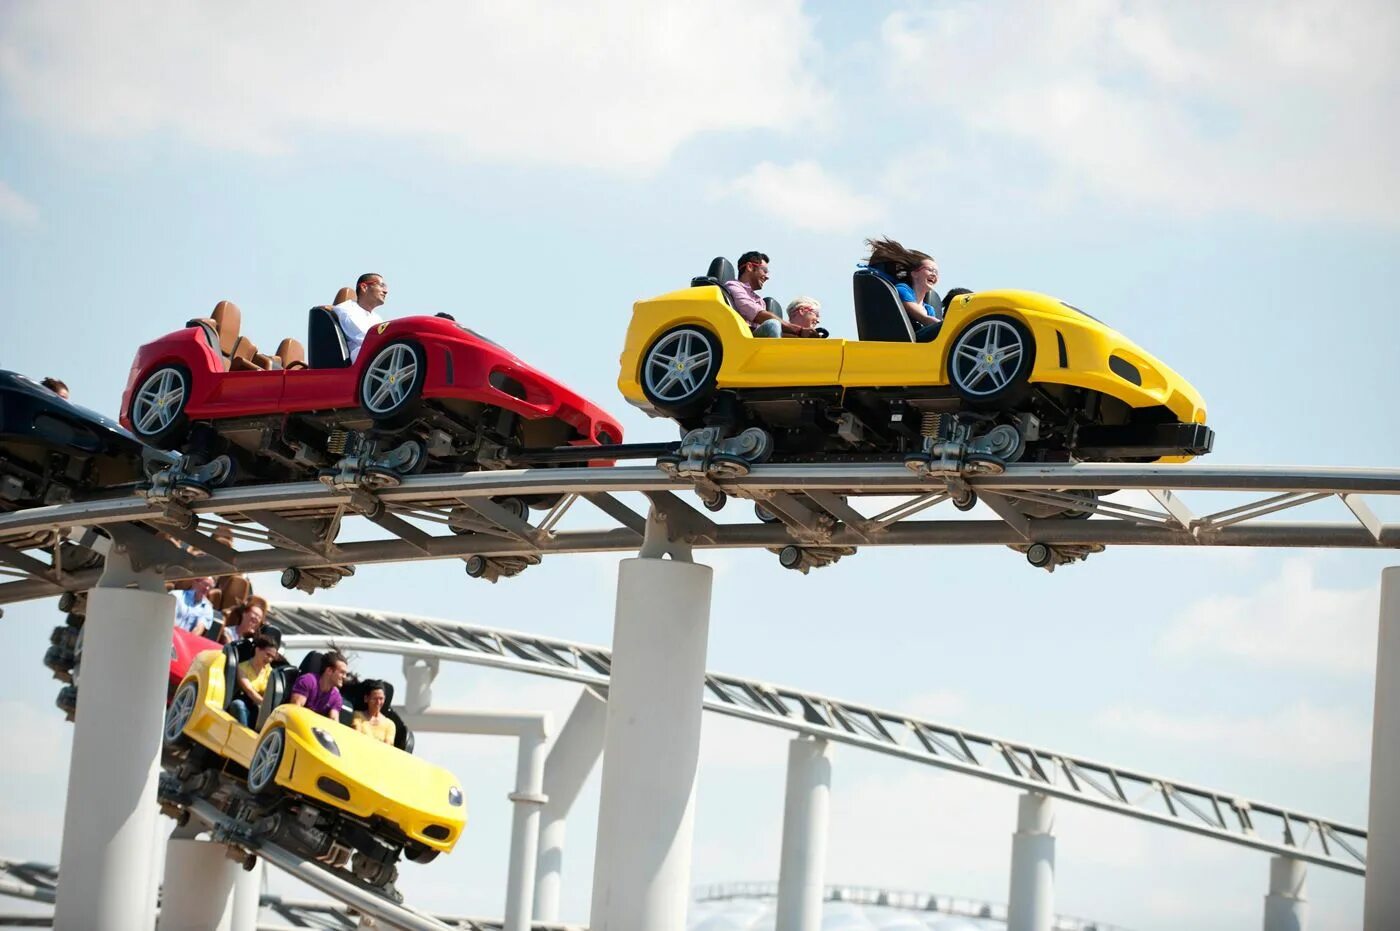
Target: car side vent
332, 788
437, 832
1125, 370
1064, 356
503, 382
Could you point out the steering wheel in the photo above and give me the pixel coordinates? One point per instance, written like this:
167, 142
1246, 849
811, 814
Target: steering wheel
822, 332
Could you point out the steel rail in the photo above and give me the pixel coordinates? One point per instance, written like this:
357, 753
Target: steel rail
1156, 799
283, 525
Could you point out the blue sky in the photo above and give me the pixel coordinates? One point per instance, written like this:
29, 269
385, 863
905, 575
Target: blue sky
1220, 184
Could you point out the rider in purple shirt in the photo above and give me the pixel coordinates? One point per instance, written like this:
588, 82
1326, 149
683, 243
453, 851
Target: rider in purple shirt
322, 693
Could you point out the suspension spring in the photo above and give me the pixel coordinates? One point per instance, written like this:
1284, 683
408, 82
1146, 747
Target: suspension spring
335, 444
931, 424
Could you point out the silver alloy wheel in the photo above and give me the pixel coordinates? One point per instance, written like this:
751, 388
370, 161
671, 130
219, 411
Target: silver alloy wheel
677, 366
262, 768
181, 710
390, 379
987, 357
159, 400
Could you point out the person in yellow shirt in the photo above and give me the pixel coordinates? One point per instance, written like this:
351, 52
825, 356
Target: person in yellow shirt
252, 680
371, 720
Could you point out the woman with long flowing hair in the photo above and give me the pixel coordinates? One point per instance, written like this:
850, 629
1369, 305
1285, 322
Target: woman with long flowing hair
914, 274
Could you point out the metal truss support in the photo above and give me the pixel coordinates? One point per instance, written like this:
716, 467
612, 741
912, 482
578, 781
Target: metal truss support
646, 813
199, 883
531, 729
1382, 908
1031, 906
1286, 905
802, 872
572, 758
109, 824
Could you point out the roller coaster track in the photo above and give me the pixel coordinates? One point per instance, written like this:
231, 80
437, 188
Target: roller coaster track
1156, 799
297, 525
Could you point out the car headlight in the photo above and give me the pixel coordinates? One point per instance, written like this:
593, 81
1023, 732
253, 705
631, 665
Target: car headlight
326, 740
454, 797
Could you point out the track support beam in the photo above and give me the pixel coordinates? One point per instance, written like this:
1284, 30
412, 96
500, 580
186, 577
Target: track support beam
641, 872
1031, 905
109, 823
802, 872
1382, 909
572, 758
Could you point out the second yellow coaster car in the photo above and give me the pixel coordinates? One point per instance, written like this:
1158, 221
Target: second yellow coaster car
323, 790
1024, 375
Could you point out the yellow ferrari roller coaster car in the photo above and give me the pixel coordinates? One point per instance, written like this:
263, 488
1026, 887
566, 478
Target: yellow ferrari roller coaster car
1009, 375
313, 785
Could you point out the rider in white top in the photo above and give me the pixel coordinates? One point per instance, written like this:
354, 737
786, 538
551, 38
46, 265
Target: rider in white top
357, 316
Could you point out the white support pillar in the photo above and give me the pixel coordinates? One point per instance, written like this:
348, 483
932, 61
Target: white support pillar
109, 823
247, 899
802, 873
1031, 906
1382, 909
641, 872
532, 729
1286, 905
575, 752
197, 894
418, 675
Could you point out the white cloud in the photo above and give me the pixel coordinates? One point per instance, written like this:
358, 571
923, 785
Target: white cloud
618, 87
1278, 109
1291, 622
806, 196
15, 208
1300, 735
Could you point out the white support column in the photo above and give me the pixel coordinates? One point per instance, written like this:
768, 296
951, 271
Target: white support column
199, 882
575, 752
532, 729
247, 899
418, 677
802, 873
109, 823
641, 873
1382, 909
1031, 906
1286, 905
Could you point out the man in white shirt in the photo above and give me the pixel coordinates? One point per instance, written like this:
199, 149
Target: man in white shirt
357, 316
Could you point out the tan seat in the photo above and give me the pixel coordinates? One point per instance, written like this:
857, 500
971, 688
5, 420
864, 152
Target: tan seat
343, 295
244, 358
233, 591
291, 354
222, 329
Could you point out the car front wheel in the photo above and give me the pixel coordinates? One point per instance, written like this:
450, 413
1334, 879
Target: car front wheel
267, 759
989, 364
158, 406
393, 382
679, 370
179, 714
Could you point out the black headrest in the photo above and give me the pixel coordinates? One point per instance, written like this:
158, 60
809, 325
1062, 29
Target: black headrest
774, 307
313, 663
231, 661
721, 269
279, 691
325, 340
880, 315
403, 737
952, 293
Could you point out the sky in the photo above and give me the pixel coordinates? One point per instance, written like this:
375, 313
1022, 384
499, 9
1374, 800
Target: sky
1218, 181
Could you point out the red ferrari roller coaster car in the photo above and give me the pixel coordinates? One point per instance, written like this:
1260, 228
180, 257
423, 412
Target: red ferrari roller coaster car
424, 393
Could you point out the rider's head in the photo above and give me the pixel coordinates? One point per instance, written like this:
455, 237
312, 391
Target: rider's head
370, 290
753, 269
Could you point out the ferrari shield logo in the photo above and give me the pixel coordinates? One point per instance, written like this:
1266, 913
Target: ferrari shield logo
381, 328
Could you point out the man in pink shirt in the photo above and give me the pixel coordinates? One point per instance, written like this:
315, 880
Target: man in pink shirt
743, 293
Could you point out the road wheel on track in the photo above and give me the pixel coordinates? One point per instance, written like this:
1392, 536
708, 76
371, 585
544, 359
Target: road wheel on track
679, 370
179, 713
157, 411
267, 759
989, 363
392, 383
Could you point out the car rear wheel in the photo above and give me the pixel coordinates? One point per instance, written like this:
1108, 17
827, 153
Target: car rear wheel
989, 364
267, 759
157, 410
179, 714
392, 383
679, 370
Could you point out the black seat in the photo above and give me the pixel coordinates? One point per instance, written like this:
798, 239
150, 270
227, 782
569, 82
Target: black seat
231, 661
325, 340
354, 694
720, 271
880, 315
279, 692
774, 306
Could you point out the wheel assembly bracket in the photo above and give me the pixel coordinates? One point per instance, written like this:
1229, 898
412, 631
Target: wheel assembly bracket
368, 469
706, 454
185, 481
